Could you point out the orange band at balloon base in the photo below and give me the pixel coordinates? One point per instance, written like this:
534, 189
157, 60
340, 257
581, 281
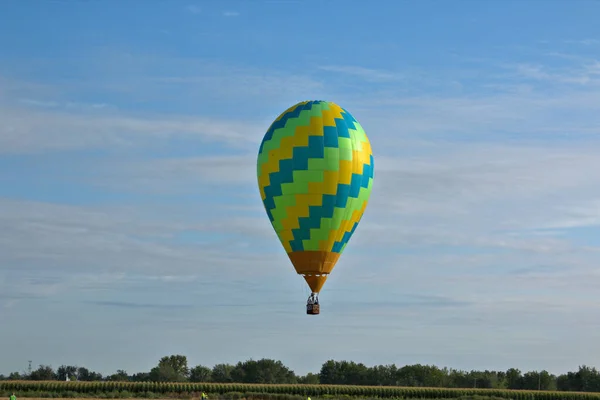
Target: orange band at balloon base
313, 262
314, 266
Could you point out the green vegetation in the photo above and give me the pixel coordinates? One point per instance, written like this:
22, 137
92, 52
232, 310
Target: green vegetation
267, 379
235, 391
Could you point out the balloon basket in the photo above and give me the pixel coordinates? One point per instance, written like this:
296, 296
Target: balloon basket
312, 304
312, 309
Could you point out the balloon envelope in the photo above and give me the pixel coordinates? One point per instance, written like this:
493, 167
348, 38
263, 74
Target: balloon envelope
315, 174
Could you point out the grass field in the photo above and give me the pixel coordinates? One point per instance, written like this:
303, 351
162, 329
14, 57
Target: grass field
224, 398
236, 391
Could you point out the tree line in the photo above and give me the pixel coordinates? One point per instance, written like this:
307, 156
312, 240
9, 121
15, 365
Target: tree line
174, 368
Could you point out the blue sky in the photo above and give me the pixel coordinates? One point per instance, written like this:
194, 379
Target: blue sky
131, 223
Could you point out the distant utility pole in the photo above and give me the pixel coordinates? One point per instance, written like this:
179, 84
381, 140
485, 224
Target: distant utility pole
29, 369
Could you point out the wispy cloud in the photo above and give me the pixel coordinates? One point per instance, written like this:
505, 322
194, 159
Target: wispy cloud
244, 84
69, 105
103, 240
503, 109
585, 42
230, 13
587, 74
177, 175
124, 304
194, 9
369, 74
39, 103
26, 131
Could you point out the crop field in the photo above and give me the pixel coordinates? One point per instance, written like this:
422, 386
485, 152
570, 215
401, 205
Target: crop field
235, 391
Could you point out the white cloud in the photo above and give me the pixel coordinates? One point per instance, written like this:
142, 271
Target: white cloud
225, 175
223, 170
230, 13
39, 103
578, 214
368, 74
68, 105
104, 239
477, 172
26, 130
243, 85
194, 9
509, 107
585, 42
588, 74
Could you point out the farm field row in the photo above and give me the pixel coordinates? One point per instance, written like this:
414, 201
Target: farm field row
234, 391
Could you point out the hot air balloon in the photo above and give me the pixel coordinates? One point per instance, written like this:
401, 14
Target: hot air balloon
315, 174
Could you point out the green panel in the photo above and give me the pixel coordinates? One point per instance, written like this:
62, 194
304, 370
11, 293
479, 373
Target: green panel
321, 233
317, 164
346, 154
300, 187
360, 134
308, 176
332, 157
311, 244
344, 143
338, 217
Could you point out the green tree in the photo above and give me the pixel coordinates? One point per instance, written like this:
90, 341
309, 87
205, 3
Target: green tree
165, 373
420, 375
141, 377
84, 374
484, 379
262, 371
514, 379
178, 363
15, 376
534, 380
354, 372
119, 376
221, 373
309, 379
200, 373
586, 379
384, 375
43, 373
172, 368
590, 379
459, 379
330, 373
65, 371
